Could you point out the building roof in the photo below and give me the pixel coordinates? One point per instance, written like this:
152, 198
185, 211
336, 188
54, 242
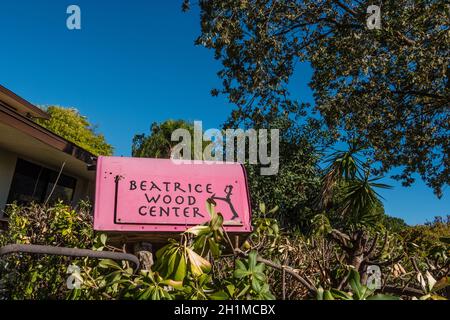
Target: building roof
16, 115
21, 105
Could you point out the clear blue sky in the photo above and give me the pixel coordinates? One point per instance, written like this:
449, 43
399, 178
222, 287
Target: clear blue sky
133, 63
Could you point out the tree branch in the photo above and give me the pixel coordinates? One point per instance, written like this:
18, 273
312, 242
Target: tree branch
369, 252
307, 283
402, 291
346, 8
341, 238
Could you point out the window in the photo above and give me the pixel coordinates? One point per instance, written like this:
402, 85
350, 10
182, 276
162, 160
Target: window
32, 182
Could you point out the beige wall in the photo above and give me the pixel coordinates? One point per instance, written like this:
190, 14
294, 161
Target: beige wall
7, 167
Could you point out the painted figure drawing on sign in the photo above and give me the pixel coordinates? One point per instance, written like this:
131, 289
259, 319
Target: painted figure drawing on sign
227, 199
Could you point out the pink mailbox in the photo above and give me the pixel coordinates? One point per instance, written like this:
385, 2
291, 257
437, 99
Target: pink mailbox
158, 196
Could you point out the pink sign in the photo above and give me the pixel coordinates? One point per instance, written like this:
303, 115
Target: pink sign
158, 195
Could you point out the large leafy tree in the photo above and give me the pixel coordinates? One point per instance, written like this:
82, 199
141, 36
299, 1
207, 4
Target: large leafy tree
294, 189
387, 87
159, 144
71, 125
348, 193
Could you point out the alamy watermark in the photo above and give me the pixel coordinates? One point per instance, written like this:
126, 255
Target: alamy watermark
73, 21
229, 146
374, 278
74, 281
374, 20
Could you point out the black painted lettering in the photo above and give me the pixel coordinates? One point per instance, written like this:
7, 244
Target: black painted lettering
154, 186
197, 213
179, 200
166, 211
191, 200
167, 186
152, 199
142, 212
167, 199
178, 187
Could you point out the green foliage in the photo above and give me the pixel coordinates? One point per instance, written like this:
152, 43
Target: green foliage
296, 185
71, 125
180, 262
251, 272
348, 192
360, 201
42, 277
393, 224
195, 268
177, 260
209, 237
321, 225
388, 87
152, 287
430, 240
179, 273
266, 224
159, 144
431, 287
358, 291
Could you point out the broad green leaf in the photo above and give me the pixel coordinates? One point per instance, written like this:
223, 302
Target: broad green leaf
180, 272
241, 273
328, 296
210, 208
436, 297
174, 284
256, 285
198, 265
217, 222
383, 297
103, 238
252, 260
171, 263
243, 291
271, 211
199, 230
214, 247
319, 295
108, 263
341, 294
441, 284
262, 208
219, 295
231, 289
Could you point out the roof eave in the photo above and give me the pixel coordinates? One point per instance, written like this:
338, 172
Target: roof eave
33, 111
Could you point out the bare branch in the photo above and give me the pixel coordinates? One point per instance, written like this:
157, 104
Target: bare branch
307, 283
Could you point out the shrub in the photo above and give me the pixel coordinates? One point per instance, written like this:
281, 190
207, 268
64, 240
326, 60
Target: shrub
25, 276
